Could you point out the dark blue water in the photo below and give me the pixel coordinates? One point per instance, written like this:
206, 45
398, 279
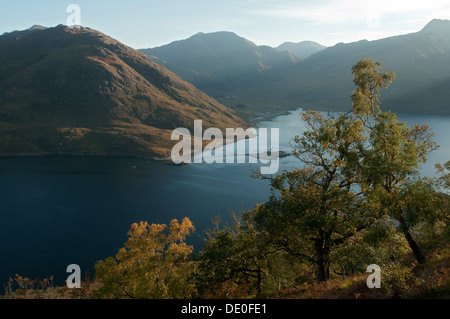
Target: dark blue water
56, 211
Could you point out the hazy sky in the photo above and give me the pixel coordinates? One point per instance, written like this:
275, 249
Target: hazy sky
148, 23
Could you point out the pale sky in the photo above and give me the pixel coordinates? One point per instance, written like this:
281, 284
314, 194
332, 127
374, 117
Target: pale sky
149, 23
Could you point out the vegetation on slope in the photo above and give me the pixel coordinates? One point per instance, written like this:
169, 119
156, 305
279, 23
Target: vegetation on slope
77, 91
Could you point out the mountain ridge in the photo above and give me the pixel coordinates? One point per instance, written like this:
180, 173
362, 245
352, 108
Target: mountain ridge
419, 59
323, 81
78, 91
303, 49
219, 62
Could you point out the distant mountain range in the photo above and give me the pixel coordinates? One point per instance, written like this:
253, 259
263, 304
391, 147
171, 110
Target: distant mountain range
241, 75
77, 91
302, 49
219, 62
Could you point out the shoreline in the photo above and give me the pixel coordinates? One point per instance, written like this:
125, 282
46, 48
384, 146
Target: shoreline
256, 121
268, 116
84, 155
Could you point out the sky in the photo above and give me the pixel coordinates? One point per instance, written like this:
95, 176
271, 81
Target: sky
149, 23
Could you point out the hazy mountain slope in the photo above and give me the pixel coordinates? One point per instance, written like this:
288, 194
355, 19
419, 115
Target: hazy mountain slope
421, 61
78, 91
221, 62
241, 75
302, 49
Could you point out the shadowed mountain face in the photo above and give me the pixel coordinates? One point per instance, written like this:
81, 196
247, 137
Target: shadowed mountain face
302, 49
78, 91
421, 61
219, 62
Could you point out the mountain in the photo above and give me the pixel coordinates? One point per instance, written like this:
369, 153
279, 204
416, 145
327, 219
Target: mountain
77, 91
420, 60
219, 62
34, 27
302, 49
322, 81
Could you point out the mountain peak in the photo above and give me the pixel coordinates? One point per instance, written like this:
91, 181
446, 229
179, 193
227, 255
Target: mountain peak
37, 27
226, 38
33, 28
303, 49
217, 33
437, 25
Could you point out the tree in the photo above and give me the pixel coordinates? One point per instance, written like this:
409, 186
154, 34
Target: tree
358, 168
380, 244
369, 81
236, 259
317, 208
390, 158
155, 263
443, 181
436, 230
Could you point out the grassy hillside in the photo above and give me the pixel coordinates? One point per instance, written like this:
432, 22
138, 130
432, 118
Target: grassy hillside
77, 91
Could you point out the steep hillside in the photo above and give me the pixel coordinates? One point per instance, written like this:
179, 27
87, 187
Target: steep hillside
78, 91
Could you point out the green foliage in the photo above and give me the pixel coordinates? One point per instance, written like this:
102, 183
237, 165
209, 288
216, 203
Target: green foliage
155, 263
434, 231
238, 261
318, 207
391, 156
380, 243
360, 171
396, 279
369, 81
443, 182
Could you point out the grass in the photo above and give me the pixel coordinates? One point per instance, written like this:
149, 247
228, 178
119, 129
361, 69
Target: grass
399, 280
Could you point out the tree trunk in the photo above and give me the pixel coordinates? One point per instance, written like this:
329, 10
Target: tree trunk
259, 281
323, 262
323, 271
417, 252
415, 248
